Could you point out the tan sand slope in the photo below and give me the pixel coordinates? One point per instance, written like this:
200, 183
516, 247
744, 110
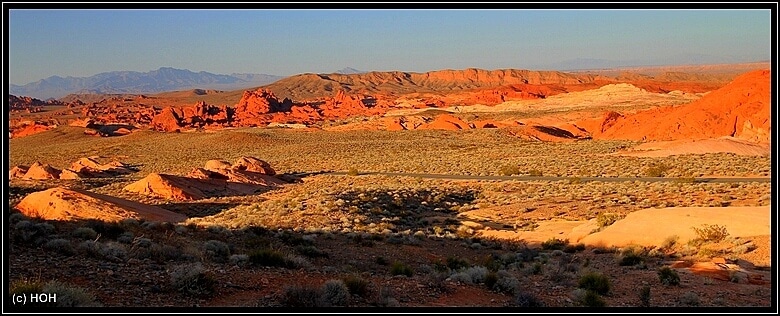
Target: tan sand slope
70, 204
650, 227
713, 145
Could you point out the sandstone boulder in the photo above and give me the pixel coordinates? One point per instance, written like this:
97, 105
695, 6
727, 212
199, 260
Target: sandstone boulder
71, 204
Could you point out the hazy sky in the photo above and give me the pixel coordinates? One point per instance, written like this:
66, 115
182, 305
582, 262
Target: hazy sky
82, 43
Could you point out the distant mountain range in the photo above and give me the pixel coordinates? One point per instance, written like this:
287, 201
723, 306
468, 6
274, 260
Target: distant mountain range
349, 71
160, 80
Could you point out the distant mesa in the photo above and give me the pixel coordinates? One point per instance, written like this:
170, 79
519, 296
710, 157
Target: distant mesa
71, 204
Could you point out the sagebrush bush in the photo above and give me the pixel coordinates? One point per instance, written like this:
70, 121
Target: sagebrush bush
61, 246
385, 298
506, 282
644, 296
590, 299
311, 251
658, 170
554, 244
193, 279
216, 250
631, 256
690, 299
239, 260
711, 233
267, 257
356, 285
668, 276
69, 295
594, 281
301, 296
399, 268
509, 170
526, 299
334, 293
25, 286
606, 219
84, 233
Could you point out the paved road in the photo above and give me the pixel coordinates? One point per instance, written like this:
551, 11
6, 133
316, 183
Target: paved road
545, 178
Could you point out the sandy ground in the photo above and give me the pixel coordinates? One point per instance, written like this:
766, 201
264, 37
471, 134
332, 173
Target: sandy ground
703, 146
649, 227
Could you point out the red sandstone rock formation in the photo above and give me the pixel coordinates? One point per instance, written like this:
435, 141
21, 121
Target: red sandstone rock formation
739, 109
71, 204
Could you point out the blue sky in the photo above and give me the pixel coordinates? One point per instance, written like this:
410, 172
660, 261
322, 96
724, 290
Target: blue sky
82, 43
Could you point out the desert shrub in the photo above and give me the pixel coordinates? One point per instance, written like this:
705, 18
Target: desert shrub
297, 262
644, 296
535, 173
606, 219
509, 170
399, 268
353, 172
385, 298
267, 257
109, 230
569, 248
711, 233
129, 223
69, 295
61, 246
690, 299
294, 239
594, 281
193, 279
301, 296
125, 238
216, 250
589, 298
668, 276
554, 244
356, 285
25, 286
670, 242
506, 282
26, 231
535, 268
472, 275
142, 242
91, 248
113, 251
658, 170
311, 251
334, 293
525, 299
490, 279
457, 263
144, 248
239, 260
15, 218
84, 233
631, 256
381, 260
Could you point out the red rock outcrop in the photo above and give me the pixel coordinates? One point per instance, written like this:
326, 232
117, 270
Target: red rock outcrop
40, 171
259, 102
446, 122
71, 204
739, 109
254, 165
166, 121
246, 176
17, 172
